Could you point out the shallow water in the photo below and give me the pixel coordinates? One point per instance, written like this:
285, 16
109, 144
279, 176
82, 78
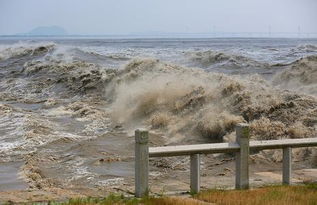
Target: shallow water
9, 177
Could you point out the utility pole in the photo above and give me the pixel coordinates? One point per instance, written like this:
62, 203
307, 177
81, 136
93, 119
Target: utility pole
214, 30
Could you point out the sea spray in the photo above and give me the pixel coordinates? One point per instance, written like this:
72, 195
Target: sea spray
204, 104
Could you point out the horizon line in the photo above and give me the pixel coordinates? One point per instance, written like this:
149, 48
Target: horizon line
183, 34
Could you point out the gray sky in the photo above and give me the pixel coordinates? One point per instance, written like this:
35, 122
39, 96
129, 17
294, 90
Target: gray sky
143, 16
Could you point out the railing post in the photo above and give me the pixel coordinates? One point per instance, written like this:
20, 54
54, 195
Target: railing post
141, 163
194, 173
287, 165
242, 157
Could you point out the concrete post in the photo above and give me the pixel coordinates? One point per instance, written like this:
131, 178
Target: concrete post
141, 163
194, 173
242, 157
287, 165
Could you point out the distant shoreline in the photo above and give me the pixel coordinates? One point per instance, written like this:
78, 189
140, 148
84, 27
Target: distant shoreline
136, 37
256, 35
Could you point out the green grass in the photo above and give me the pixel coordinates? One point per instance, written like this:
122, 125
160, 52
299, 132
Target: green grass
109, 200
121, 200
273, 195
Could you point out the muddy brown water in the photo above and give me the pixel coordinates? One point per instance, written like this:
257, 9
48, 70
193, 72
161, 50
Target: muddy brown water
58, 137
10, 178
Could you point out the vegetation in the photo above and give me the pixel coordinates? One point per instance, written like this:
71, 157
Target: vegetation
273, 195
121, 200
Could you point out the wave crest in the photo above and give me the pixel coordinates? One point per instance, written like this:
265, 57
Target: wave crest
301, 76
210, 58
24, 49
203, 105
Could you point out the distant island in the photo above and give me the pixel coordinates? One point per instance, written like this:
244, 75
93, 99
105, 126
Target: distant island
46, 31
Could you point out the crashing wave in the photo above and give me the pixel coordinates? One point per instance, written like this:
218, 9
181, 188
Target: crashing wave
25, 49
210, 58
306, 48
195, 103
177, 100
97, 58
73, 78
300, 76
92, 54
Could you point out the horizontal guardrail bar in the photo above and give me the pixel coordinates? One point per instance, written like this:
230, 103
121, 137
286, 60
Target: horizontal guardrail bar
280, 144
181, 150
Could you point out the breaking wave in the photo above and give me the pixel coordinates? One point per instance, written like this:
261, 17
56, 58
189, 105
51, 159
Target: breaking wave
300, 76
92, 54
57, 99
306, 48
173, 99
207, 59
113, 60
25, 49
192, 102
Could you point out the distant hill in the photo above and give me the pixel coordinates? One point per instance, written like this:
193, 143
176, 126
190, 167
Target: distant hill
47, 31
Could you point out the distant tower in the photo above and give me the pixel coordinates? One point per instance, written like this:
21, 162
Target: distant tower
214, 30
298, 32
270, 32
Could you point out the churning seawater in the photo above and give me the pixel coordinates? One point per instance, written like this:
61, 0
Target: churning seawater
69, 106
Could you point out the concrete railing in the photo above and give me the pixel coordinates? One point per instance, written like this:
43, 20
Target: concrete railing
241, 147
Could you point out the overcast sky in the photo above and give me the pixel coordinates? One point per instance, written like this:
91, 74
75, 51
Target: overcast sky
144, 16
